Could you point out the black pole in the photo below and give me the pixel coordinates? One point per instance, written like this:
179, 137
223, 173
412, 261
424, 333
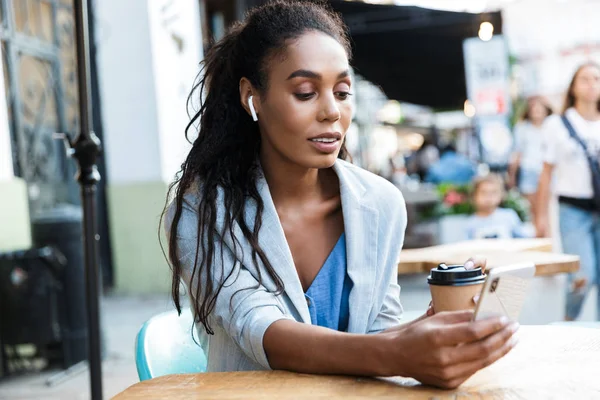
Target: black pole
104, 247
86, 149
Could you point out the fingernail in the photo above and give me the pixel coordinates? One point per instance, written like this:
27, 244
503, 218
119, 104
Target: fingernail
515, 327
504, 320
469, 264
475, 298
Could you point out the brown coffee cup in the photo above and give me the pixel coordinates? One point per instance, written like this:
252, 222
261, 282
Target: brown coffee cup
453, 287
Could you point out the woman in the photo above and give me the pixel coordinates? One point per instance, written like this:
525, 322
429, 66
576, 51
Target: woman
527, 158
290, 253
564, 157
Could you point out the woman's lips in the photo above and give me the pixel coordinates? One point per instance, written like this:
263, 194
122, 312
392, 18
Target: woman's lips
325, 145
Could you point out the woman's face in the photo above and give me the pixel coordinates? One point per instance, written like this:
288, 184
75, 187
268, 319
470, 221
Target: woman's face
306, 110
537, 111
587, 85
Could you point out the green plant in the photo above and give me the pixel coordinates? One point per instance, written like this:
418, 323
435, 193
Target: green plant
456, 200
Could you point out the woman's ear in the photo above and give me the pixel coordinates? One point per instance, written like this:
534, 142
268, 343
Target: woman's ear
249, 98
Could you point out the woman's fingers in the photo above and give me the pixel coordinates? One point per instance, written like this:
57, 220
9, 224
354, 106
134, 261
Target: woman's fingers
430, 311
457, 374
451, 371
483, 348
468, 331
475, 262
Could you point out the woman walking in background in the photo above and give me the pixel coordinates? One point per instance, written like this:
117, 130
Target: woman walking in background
527, 162
570, 153
290, 254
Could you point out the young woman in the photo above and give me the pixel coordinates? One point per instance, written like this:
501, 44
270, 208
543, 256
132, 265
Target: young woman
290, 253
564, 157
527, 159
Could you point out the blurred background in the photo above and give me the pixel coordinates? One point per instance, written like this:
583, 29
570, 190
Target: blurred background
439, 87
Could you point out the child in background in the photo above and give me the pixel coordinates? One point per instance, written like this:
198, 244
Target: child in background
490, 221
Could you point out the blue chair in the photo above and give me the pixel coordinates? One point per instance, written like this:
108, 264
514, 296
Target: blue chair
165, 345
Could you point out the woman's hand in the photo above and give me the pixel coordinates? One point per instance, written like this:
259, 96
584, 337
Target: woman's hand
476, 262
446, 349
542, 226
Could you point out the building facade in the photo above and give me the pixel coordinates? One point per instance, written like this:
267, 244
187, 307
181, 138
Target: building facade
147, 55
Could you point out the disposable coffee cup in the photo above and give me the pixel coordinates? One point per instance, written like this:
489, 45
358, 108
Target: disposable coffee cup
453, 287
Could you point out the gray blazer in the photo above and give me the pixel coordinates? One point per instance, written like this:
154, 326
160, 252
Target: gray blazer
374, 215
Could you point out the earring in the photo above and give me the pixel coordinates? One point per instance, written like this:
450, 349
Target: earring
252, 110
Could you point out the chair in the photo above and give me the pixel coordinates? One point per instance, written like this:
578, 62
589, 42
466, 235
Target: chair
165, 345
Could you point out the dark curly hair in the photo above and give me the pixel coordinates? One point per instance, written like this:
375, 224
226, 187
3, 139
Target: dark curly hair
224, 155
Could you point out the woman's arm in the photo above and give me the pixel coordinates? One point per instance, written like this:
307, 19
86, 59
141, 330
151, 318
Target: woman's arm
427, 350
553, 138
520, 143
308, 348
513, 168
543, 200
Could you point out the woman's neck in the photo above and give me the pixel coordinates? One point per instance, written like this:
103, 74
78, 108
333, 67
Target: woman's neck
589, 111
291, 183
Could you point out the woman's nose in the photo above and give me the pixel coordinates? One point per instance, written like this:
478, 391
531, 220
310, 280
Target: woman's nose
329, 109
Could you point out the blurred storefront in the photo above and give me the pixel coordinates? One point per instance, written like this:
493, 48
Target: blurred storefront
40, 98
145, 56
42, 288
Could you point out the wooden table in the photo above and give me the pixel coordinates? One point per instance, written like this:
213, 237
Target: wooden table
550, 362
497, 251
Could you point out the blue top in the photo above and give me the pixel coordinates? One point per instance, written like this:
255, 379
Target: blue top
503, 223
327, 296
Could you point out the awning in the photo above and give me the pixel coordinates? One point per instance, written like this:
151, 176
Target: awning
414, 54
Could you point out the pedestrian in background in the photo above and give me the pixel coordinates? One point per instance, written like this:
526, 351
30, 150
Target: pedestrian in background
526, 161
570, 155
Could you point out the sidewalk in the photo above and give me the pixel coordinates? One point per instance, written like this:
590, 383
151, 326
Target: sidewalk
122, 318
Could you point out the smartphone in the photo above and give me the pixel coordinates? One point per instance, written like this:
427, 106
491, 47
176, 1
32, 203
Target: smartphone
504, 291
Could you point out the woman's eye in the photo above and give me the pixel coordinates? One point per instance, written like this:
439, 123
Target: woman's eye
304, 96
343, 95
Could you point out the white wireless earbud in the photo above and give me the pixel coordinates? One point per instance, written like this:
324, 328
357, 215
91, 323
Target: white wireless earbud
252, 110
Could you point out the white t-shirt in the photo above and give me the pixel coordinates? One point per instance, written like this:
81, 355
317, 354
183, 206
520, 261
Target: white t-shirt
572, 176
528, 142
